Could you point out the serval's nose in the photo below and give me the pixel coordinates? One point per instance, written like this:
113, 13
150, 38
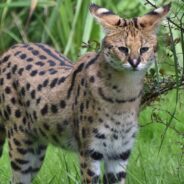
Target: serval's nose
134, 62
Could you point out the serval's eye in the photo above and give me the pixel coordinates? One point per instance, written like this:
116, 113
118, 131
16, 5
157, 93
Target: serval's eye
143, 50
125, 50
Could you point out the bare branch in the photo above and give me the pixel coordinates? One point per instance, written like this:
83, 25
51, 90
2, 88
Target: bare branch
153, 93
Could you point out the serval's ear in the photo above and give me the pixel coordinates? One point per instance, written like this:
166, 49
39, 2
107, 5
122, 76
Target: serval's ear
152, 19
106, 17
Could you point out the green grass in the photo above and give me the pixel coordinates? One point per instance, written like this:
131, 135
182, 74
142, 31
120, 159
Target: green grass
149, 164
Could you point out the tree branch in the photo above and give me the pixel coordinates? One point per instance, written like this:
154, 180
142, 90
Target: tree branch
154, 91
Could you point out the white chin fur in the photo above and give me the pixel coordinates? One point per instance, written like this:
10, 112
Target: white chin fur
139, 67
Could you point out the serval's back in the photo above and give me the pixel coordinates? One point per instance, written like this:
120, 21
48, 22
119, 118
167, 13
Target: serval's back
90, 107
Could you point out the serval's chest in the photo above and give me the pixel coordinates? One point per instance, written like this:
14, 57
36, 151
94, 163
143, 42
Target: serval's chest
114, 133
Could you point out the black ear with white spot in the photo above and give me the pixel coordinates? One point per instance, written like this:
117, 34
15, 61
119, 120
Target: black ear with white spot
152, 19
106, 17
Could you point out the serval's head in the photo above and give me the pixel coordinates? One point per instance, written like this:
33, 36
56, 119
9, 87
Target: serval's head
129, 43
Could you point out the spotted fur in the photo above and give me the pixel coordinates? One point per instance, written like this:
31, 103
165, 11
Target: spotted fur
90, 107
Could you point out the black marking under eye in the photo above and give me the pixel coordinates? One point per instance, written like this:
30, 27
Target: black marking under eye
123, 49
143, 50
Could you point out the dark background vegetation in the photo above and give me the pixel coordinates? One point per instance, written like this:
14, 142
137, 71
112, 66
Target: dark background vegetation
67, 26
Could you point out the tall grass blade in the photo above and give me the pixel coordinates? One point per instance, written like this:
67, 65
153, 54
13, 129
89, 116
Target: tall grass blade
182, 43
4, 13
70, 39
50, 22
31, 11
13, 36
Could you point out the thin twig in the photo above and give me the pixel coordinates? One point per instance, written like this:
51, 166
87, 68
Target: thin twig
179, 27
154, 93
151, 3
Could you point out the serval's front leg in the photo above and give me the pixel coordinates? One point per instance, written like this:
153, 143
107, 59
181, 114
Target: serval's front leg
90, 166
115, 169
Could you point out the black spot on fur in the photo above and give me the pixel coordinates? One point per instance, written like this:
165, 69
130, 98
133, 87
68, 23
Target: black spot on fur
50, 53
39, 87
16, 142
15, 167
28, 86
114, 177
90, 173
62, 104
1, 81
34, 115
54, 108
22, 91
42, 73
61, 80
81, 107
96, 155
53, 83
44, 110
8, 90
13, 100
33, 73
5, 59
22, 151
92, 79
22, 56
82, 81
52, 71
45, 82
17, 113
39, 63
42, 57
51, 63
35, 52
30, 48
29, 59
125, 155
28, 67
33, 94
27, 103
26, 171
24, 120
38, 100
8, 75
14, 69
17, 53
83, 132
21, 161
90, 119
